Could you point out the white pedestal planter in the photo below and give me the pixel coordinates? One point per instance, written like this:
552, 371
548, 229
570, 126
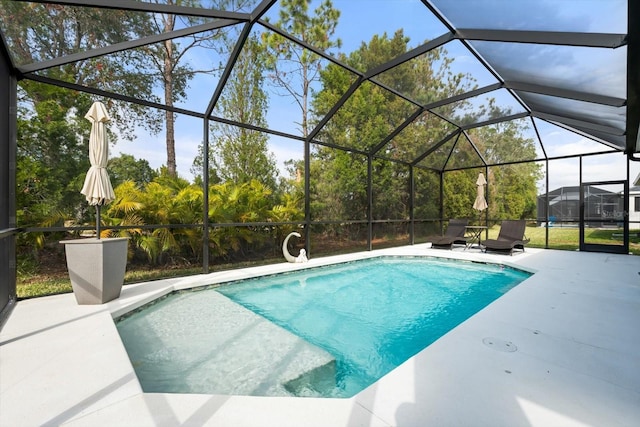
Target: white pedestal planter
96, 268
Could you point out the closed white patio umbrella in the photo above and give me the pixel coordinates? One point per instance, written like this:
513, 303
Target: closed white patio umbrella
480, 203
97, 187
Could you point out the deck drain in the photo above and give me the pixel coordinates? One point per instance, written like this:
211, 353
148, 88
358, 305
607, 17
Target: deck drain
500, 345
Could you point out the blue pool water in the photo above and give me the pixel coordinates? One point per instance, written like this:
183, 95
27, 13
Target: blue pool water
370, 315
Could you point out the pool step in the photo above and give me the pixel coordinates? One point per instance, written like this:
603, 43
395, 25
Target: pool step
238, 352
318, 382
263, 359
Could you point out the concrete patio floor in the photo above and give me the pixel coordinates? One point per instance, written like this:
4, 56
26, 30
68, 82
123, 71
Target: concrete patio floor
574, 326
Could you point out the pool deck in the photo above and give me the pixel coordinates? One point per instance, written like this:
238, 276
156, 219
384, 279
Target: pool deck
560, 349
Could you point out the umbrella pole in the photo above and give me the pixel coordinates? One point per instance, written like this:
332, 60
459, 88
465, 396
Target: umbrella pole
98, 221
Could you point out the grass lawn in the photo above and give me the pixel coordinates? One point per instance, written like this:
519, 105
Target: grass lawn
33, 285
37, 285
567, 238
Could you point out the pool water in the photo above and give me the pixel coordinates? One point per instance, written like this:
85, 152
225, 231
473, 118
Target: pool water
370, 315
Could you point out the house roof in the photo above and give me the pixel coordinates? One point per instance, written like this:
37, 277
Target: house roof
571, 191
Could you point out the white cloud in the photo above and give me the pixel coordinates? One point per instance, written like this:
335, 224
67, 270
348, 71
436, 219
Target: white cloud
556, 147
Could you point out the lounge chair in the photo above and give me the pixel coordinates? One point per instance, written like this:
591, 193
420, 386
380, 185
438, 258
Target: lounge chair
510, 237
453, 235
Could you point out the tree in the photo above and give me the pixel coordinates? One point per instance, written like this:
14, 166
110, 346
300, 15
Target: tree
372, 113
52, 162
52, 132
426, 194
512, 189
459, 194
237, 154
292, 67
367, 118
126, 168
40, 32
168, 59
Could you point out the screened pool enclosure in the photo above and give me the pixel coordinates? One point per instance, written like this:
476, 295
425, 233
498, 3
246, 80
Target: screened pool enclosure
359, 124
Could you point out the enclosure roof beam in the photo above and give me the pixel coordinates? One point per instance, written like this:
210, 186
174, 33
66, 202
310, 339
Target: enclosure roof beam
633, 78
578, 123
475, 148
261, 9
354, 86
580, 132
436, 146
566, 93
602, 40
413, 53
140, 6
329, 58
4, 51
255, 128
118, 47
494, 121
462, 96
112, 95
306, 45
538, 138
228, 69
397, 130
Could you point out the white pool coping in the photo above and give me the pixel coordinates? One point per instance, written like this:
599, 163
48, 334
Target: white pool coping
575, 326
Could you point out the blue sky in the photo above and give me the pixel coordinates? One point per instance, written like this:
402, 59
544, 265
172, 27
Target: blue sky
361, 19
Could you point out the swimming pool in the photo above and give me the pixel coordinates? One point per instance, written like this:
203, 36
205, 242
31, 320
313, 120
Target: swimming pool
369, 316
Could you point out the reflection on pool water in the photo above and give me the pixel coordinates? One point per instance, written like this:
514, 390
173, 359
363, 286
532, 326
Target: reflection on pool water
348, 325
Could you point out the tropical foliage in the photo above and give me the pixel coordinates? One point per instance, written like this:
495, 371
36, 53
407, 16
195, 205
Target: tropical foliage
170, 204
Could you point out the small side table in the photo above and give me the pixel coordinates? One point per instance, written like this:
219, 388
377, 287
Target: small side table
473, 233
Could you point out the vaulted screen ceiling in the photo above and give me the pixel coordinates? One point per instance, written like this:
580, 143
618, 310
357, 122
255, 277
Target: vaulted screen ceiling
559, 65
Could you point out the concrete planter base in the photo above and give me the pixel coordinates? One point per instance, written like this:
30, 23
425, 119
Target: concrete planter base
96, 268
